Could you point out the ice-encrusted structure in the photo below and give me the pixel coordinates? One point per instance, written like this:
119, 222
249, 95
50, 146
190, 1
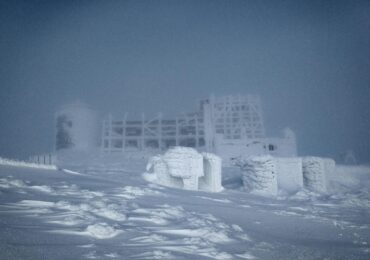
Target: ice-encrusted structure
315, 170
76, 127
266, 175
211, 181
184, 167
259, 175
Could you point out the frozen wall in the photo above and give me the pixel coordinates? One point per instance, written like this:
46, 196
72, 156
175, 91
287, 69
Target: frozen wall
185, 163
229, 149
266, 175
159, 166
290, 176
184, 167
259, 175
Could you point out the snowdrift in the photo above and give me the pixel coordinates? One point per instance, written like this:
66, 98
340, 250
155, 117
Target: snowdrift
183, 167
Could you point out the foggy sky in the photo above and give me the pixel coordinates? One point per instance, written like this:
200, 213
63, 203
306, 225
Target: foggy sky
308, 60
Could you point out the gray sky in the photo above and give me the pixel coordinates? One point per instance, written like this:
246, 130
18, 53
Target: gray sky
308, 60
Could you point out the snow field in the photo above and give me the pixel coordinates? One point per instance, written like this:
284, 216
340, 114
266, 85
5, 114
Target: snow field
165, 231
106, 214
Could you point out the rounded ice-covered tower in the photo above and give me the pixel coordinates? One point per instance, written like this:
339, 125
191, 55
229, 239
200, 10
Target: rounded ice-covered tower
76, 127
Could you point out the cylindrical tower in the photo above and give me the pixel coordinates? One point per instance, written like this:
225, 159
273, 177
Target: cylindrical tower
76, 127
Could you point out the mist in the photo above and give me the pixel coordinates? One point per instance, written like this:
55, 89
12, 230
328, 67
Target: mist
308, 60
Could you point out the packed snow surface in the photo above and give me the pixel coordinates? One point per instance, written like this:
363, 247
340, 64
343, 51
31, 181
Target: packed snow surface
104, 209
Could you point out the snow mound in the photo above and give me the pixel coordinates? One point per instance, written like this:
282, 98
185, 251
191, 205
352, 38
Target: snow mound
102, 231
184, 167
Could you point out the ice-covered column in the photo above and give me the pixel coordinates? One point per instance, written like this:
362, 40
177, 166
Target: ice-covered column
76, 127
259, 175
211, 181
314, 170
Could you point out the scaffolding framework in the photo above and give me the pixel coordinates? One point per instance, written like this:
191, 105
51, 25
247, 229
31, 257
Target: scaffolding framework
152, 134
233, 117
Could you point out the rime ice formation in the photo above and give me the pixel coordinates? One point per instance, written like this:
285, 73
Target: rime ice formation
211, 181
315, 170
259, 175
184, 167
266, 175
185, 163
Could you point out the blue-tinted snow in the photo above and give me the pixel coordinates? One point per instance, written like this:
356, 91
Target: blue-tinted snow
108, 212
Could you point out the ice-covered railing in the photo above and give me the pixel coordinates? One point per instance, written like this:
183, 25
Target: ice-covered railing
48, 159
184, 167
9, 162
267, 175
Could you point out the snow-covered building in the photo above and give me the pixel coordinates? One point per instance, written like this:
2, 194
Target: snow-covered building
229, 126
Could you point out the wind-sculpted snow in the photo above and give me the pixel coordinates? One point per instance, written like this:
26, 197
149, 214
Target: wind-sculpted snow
57, 215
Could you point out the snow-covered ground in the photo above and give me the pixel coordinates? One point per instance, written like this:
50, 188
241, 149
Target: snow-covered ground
107, 210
